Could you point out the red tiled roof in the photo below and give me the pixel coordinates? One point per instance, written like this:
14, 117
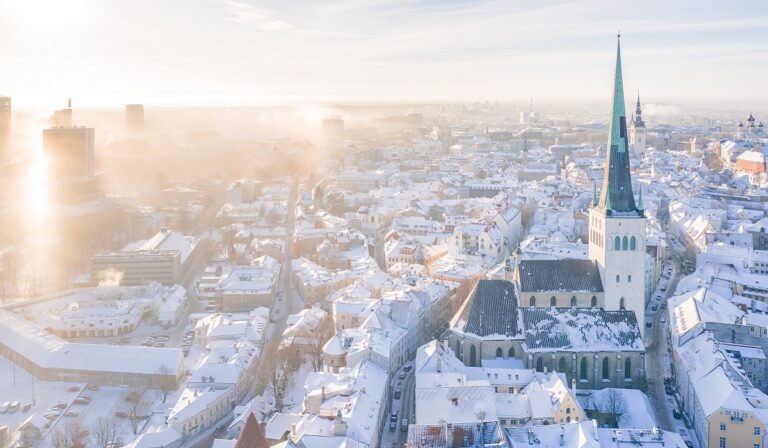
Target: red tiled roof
252, 435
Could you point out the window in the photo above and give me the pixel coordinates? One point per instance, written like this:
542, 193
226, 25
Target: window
511, 352
617, 243
633, 243
757, 430
618, 278
629, 279
553, 301
583, 369
540, 365
573, 301
499, 353
594, 301
606, 369
532, 302
722, 442
621, 303
625, 243
722, 426
561, 365
628, 369
472, 356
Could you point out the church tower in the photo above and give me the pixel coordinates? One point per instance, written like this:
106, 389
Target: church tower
616, 222
637, 131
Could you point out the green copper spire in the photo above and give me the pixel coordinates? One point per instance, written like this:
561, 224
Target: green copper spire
594, 193
617, 182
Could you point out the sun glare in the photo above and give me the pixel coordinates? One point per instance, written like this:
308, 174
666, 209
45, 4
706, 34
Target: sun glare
46, 15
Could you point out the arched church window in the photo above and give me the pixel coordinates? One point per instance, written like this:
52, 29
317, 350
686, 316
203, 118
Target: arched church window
617, 243
532, 301
573, 300
621, 303
594, 302
625, 243
633, 243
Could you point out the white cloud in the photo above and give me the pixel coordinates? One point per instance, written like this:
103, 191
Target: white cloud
247, 14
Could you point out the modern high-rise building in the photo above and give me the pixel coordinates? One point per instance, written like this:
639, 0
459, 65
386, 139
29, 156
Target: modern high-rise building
62, 117
134, 117
333, 128
617, 223
70, 151
5, 115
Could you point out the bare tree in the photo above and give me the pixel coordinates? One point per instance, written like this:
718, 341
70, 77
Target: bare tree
166, 380
105, 432
316, 340
284, 365
136, 407
71, 435
614, 403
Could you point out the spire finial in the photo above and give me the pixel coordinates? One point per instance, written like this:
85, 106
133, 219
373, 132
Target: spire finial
618, 34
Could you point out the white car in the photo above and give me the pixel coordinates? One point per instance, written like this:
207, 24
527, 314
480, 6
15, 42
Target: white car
4, 407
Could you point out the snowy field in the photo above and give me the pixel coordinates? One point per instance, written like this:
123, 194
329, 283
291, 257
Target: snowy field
26, 389
105, 402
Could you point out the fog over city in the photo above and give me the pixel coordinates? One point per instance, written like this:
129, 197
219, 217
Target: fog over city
383, 223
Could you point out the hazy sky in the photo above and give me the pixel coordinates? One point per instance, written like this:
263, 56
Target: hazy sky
161, 52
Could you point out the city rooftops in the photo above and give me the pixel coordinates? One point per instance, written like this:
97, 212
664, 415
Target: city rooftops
559, 275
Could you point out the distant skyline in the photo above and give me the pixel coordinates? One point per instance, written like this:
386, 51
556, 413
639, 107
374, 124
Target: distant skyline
220, 52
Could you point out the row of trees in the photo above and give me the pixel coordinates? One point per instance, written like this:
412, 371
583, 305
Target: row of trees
105, 433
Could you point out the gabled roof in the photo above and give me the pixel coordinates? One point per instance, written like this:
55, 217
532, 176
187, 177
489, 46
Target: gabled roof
581, 329
559, 275
491, 310
252, 435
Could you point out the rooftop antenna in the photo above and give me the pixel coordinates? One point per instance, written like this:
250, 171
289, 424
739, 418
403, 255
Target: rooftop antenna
69, 103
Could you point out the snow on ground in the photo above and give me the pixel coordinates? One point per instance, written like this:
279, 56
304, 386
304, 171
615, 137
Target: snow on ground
45, 393
105, 401
294, 396
639, 412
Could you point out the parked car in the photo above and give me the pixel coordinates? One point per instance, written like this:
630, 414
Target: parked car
4, 407
676, 414
654, 308
663, 320
397, 395
14, 406
648, 324
402, 375
59, 405
408, 368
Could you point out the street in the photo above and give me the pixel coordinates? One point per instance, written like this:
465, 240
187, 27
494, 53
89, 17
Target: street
658, 361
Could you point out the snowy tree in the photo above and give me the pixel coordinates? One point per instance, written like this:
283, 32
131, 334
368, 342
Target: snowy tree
317, 339
165, 380
136, 407
71, 435
284, 364
613, 403
105, 432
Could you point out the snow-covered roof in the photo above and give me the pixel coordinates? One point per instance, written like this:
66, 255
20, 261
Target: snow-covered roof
52, 352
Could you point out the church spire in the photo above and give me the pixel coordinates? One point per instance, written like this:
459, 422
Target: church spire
616, 194
638, 113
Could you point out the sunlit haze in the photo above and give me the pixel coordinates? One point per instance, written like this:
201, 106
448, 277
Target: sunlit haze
383, 224
217, 52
